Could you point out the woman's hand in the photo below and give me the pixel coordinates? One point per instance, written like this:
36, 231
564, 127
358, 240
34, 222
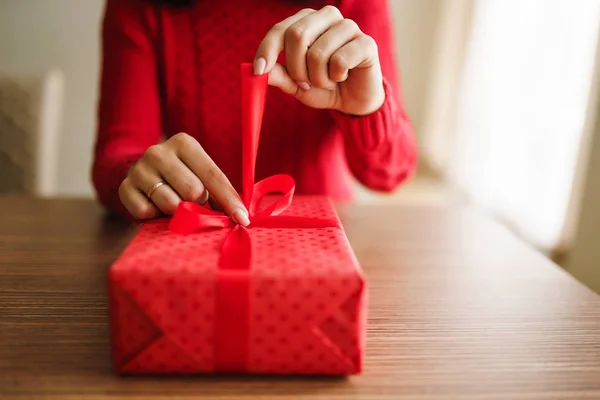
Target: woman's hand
330, 63
188, 173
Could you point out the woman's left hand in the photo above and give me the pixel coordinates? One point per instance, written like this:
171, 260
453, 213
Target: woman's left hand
329, 62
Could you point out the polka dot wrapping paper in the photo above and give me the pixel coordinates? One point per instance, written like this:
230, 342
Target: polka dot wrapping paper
307, 302
197, 293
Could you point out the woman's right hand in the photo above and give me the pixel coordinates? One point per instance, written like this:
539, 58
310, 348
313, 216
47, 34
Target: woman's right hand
188, 173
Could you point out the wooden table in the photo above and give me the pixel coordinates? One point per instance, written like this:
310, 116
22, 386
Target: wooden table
460, 309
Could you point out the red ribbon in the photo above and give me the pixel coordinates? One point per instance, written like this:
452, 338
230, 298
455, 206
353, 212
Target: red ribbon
232, 324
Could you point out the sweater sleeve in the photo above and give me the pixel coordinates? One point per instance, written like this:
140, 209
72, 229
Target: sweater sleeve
380, 147
129, 109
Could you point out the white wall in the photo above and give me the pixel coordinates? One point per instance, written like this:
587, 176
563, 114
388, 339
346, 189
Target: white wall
416, 24
39, 34
583, 259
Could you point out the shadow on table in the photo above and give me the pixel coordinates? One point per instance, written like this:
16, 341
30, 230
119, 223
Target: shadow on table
232, 385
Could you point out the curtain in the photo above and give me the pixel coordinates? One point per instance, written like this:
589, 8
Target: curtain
512, 117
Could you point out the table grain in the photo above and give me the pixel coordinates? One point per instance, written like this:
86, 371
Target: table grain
459, 309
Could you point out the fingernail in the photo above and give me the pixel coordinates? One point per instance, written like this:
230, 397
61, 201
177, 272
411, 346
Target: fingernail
241, 217
259, 66
304, 85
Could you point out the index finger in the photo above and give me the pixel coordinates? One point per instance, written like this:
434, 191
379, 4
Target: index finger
195, 157
273, 43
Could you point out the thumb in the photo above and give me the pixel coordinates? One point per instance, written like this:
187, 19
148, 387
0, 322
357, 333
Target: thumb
313, 97
279, 78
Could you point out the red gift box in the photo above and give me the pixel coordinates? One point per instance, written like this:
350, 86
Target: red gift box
199, 294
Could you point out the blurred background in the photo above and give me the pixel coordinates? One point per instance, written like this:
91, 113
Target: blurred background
503, 95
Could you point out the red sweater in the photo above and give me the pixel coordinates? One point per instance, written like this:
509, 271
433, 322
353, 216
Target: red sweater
167, 70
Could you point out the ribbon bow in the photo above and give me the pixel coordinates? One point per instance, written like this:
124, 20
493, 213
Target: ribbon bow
233, 280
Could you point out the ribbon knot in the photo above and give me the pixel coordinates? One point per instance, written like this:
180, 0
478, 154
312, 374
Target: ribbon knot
191, 217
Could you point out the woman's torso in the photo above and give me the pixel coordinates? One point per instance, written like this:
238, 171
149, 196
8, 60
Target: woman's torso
200, 49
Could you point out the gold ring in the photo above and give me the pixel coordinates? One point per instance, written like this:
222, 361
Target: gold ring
156, 186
